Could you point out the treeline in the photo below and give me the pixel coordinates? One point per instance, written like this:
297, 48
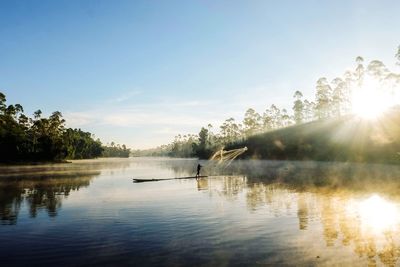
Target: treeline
38, 138
333, 99
116, 150
346, 139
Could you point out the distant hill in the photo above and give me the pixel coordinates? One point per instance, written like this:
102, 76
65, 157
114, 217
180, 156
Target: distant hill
348, 138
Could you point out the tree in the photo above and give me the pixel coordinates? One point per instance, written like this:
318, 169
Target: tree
202, 148
323, 96
2, 103
39, 138
252, 122
267, 120
309, 110
116, 150
203, 138
230, 131
377, 69
37, 114
298, 107
285, 118
359, 73
275, 114
81, 145
339, 97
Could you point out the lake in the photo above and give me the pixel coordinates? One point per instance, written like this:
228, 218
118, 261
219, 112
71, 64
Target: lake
257, 213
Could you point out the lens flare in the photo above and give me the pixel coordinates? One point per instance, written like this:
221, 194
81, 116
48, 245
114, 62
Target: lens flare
371, 99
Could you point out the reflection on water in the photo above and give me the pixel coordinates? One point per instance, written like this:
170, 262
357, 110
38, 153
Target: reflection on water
365, 224
377, 214
368, 224
247, 213
46, 193
302, 211
43, 187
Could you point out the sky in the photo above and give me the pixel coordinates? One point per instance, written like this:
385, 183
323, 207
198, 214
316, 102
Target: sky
140, 72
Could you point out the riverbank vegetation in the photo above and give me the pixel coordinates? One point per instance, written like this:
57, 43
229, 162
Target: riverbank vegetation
116, 150
352, 117
46, 139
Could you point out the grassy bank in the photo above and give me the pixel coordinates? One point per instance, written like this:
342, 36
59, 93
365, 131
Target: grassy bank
348, 138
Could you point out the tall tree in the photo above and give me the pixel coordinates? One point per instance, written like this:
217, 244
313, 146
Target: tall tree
230, 130
267, 120
252, 122
359, 73
377, 69
298, 107
285, 118
275, 114
202, 149
203, 138
309, 110
2, 103
339, 96
323, 96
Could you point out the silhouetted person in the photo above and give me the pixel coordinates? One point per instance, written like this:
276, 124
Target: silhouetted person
198, 170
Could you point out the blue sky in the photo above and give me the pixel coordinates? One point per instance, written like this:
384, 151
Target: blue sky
139, 72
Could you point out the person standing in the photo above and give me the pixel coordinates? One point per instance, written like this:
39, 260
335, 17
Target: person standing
198, 170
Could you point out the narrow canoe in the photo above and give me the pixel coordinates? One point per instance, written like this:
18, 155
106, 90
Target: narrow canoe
139, 180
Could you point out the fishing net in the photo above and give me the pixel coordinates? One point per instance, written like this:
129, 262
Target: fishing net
227, 156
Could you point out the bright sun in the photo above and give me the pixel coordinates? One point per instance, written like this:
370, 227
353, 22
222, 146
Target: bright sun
378, 214
370, 100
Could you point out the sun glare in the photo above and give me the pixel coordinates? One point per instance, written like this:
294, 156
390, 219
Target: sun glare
371, 100
378, 214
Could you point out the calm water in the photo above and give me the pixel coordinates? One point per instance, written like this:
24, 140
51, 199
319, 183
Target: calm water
256, 213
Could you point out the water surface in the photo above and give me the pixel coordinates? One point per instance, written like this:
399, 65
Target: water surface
258, 213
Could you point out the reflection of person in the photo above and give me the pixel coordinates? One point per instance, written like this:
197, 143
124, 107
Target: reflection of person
202, 184
198, 170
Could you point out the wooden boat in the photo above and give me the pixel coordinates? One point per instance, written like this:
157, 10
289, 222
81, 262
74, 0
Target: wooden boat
140, 180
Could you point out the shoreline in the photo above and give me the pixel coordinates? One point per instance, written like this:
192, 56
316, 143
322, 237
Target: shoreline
33, 163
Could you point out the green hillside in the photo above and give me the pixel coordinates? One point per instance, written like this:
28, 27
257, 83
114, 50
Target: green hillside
345, 139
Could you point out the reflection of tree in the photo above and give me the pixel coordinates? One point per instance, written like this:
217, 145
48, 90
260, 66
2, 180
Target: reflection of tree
232, 186
322, 192
355, 177
42, 193
302, 211
390, 252
10, 203
275, 197
226, 186
330, 208
328, 219
43, 187
332, 184
341, 225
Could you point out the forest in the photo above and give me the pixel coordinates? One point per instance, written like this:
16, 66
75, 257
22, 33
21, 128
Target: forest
41, 139
337, 103
116, 150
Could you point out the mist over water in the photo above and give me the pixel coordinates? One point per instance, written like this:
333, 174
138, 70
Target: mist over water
245, 213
